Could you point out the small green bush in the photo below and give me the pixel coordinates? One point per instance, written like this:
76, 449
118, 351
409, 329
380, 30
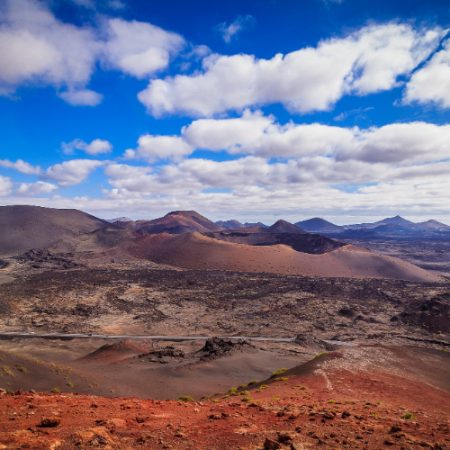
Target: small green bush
277, 372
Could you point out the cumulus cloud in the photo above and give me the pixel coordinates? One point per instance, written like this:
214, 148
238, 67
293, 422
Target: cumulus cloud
139, 48
36, 47
81, 97
310, 79
139, 192
21, 166
5, 186
38, 188
69, 173
431, 83
253, 186
230, 31
256, 134
95, 147
402, 142
152, 148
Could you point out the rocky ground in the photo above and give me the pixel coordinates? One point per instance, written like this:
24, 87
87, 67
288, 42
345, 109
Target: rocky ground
354, 398
163, 301
368, 367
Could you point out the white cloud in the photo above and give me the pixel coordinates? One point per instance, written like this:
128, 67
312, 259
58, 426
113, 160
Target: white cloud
138, 192
95, 147
253, 187
151, 148
21, 166
310, 79
35, 46
81, 97
256, 134
139, 48
229, 31
431, 84
401, 142
38, 48
38, 188
5, 186
72, 172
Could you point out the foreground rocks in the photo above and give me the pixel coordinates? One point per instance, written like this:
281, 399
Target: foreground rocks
327, 406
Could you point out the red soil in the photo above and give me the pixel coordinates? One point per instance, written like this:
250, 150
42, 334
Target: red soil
325, 407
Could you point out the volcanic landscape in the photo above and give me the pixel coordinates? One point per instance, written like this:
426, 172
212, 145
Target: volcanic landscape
184, 333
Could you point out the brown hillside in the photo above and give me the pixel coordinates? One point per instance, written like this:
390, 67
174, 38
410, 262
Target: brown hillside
197, 251
177, 222
25, 227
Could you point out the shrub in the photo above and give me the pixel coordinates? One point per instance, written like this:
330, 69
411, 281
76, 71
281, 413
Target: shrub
185, 398
277, 372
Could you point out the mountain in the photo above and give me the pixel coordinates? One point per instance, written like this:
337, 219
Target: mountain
198, 251
390, 227
236, 225
25, 227
230, 224
282, 226
177, 222
318, 225
120, 220
433, 225
189, 240
255, 224
391, 222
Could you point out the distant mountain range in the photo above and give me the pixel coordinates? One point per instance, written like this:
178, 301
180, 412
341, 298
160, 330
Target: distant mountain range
395, 227
189, 240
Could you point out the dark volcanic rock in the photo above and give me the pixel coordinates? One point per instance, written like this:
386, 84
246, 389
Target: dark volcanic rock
163, 355
346, 312
432, 314
216, 347
46, 259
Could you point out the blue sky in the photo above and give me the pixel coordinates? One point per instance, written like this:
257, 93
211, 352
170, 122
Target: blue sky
240, 109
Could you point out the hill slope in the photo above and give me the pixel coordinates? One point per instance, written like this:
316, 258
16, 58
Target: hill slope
197, 251
25, 227
177, 222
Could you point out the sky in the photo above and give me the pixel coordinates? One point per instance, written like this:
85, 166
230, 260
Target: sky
249, 109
